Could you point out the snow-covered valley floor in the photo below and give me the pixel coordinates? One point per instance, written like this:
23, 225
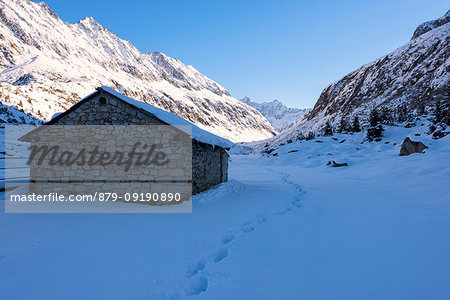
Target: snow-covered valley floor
285, 227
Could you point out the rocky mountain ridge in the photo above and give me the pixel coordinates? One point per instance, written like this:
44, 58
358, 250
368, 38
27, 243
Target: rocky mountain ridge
413, 77
47, 64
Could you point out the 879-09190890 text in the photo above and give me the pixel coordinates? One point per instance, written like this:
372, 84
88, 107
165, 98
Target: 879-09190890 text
101, 197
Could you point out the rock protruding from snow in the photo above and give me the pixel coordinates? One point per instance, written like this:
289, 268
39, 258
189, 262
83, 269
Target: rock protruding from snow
12, 115
410, 147
47, 65
337, 165
276, 112
430, 25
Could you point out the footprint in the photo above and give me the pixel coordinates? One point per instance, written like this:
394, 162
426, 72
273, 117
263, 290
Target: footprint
227, 239
280, 212
219, 255
193, 270
199, 285
247, 227
261, 219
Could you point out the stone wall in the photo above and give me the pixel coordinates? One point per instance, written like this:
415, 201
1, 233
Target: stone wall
209, 164
108, 110
126, 159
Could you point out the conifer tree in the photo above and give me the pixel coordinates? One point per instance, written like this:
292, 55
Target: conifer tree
355, 125
375, 129
402, 113
420, 108
311, 136
441, 113
328, 130
386, 116
343, 125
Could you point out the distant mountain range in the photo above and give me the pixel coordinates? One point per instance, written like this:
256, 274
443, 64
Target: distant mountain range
46, 65
413, 76
276, 112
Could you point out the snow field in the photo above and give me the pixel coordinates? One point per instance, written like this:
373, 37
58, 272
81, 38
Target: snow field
285, 227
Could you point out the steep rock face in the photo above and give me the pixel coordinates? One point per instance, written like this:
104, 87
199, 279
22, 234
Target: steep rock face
276, 112
430, 25
416, 74
418, 71
47, 64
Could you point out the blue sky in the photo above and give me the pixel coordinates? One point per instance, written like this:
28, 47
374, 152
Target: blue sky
289, 50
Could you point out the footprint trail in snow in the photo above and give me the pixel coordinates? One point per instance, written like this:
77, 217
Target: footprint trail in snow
198, 274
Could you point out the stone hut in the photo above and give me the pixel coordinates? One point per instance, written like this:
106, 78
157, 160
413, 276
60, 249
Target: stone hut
108, 107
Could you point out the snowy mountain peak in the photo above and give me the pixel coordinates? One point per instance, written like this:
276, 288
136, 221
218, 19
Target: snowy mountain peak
48, 9
47, 64
278, 114
278, 102
90, 22
430, 25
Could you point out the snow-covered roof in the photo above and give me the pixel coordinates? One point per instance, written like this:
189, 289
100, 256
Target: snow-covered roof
198, 134
56, 114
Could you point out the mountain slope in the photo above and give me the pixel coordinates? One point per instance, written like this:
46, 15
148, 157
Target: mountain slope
430, 25
12, 115
416, 74
47, 64
276, 112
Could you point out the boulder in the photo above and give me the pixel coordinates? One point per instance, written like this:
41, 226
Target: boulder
336, 165
410, 147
